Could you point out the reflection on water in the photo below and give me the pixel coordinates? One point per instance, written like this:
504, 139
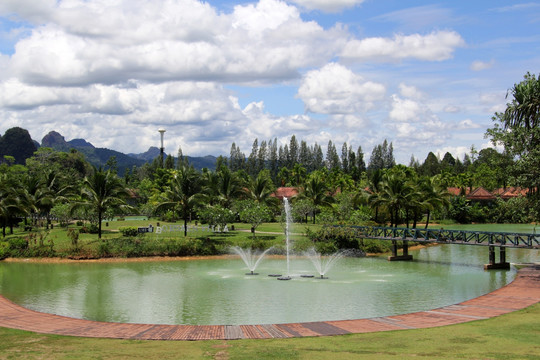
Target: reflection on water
218, 292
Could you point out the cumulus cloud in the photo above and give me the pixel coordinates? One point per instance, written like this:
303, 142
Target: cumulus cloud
410, 91
467, 124
406, 110
481, 65
437, 46
334, 89
87, 42
327, 6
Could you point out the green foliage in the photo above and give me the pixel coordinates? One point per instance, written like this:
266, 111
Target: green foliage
18, 243
73, 234
514, 210
17, 143
216, 216
128, 231
4, 250
255, 214
460, 210
341, 237
62, 212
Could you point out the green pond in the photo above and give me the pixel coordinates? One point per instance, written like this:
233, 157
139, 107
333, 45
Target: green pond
218, 291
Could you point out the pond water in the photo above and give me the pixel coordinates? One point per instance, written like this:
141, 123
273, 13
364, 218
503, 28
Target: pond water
215, 292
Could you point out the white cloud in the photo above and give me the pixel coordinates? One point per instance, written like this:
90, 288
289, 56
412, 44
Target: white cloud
327, 5
451, 109
406, 110
334, 89
467, 124
481, 65
87, 42
437, 46
410, 92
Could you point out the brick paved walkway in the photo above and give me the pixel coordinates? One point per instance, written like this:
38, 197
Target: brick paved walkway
524, 291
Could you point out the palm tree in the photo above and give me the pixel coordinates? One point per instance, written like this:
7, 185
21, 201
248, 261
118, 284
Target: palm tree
183, 193
396, 194
100, 192
34, 195
374, 190
223, 187
10, 202
316, 190
57, 191
435, 195
261, 188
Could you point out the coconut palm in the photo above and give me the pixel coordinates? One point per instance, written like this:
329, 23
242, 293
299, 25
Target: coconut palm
223, 187
183, 193
100, 192
10, 202
316, 190
261, 188
396, 194
434, 194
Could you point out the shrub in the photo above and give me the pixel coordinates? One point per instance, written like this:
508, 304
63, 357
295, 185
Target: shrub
129, 231
4, 250
18, 243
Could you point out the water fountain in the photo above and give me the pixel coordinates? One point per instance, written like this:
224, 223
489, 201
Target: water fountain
323, 263
250, 258
287, 207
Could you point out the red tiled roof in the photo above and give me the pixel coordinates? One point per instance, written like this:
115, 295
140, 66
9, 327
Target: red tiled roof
282, 192
480, 194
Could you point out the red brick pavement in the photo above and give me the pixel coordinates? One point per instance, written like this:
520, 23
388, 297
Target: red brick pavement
524, 291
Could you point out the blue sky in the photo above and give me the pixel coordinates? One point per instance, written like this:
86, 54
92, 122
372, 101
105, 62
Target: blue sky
427, 76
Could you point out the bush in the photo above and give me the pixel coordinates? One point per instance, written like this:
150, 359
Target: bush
129, 231
18, 243
4, 250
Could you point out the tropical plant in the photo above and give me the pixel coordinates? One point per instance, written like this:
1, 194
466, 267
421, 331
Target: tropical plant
183, 193
316, 190
100, 192
261, 188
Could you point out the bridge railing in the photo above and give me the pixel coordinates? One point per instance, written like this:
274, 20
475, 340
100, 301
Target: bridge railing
502, 239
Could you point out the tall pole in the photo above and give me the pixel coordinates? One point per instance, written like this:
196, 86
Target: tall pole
162, 148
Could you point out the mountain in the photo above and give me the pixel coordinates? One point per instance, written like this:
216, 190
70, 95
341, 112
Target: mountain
149, 155
99, 156
17, 143
95, 156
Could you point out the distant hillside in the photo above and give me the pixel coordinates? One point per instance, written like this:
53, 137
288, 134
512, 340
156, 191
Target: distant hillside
95, 156
100, 156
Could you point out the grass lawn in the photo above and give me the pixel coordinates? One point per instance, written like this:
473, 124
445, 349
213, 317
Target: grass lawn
511, 336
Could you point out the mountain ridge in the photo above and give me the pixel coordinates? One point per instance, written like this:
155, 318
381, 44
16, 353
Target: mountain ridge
100, 156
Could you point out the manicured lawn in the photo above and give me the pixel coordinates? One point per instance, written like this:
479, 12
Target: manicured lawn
511, 336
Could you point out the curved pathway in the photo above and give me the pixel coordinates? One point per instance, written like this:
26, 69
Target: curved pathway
524, 291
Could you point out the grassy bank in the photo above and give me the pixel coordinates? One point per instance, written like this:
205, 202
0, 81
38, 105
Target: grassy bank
511, 336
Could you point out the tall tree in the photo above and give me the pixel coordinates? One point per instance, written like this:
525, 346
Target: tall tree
183, 193
332, 157
252, 159
100, 192
293, 151
317, 192
345, 158
518, 129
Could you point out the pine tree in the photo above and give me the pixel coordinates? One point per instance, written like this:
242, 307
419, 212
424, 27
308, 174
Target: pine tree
293, 151
345, 158
252, 159
360, 163
318, 158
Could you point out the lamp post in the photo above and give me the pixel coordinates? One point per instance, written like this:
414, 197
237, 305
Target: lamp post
162, 148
